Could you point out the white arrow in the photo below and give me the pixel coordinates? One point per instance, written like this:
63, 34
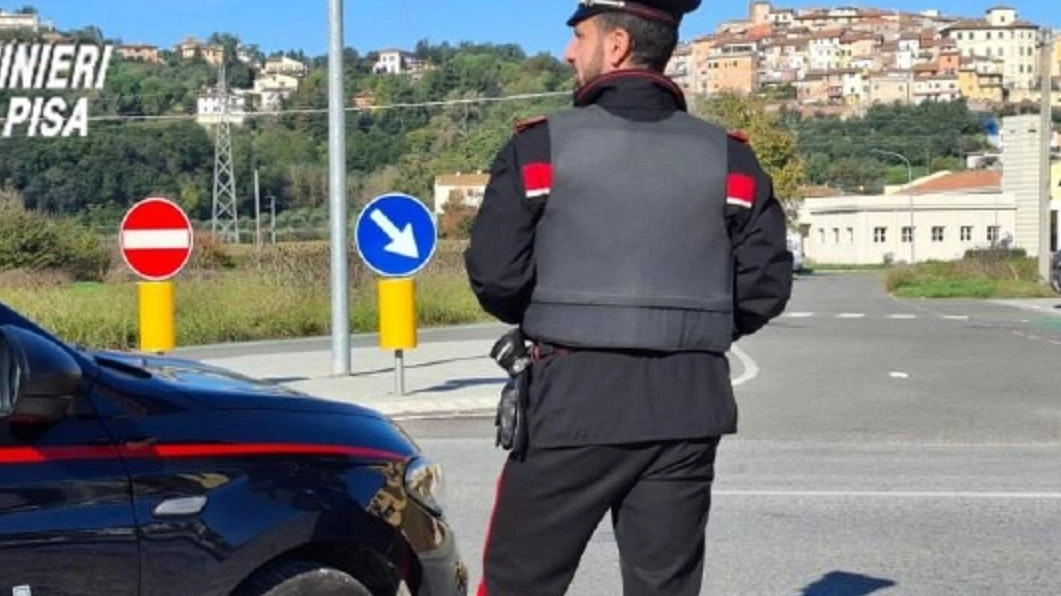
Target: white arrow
402, 242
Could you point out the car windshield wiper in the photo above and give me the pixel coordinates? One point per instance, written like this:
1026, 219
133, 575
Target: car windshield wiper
122, 366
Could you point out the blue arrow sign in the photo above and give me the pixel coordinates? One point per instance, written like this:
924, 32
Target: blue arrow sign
395, 235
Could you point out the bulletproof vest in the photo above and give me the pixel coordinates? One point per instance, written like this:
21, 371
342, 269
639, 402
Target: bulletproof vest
632, 249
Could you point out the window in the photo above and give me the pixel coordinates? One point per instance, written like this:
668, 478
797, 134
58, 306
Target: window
908, 234
967, 233
821, 235
880, 235
850, 235
836, 235
992, 233
937, 233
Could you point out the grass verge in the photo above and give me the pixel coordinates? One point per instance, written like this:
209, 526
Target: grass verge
282, 293
969, 278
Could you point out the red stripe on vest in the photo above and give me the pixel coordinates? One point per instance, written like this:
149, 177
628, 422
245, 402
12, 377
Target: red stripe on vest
537, 179
740, 189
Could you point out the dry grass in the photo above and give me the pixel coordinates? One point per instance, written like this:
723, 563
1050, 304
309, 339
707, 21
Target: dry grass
977, 277
241, 294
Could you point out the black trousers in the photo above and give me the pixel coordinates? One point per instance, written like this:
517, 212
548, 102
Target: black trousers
548, 505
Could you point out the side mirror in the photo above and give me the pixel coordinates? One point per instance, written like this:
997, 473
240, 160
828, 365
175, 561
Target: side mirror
38, 379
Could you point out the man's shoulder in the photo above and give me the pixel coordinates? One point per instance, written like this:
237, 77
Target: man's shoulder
738, 135
524, 124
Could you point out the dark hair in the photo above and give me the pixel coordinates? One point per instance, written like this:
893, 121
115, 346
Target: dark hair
652, 42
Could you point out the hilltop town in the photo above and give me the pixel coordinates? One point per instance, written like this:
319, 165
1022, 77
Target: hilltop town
845, 59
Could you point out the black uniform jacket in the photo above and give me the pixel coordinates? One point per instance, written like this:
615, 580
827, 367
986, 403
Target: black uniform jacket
608, 396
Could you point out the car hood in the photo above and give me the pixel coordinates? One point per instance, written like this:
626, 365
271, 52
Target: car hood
219, 387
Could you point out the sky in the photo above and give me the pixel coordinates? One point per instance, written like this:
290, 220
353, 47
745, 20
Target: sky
536, 25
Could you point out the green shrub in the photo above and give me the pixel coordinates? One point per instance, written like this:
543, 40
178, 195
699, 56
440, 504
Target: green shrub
35, 242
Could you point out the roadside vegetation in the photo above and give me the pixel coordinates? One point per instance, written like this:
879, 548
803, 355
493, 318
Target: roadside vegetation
234, 295
981, 274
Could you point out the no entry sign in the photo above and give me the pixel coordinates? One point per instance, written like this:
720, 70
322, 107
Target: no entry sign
156, 239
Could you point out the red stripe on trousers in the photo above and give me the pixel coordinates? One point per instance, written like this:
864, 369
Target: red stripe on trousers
490, 529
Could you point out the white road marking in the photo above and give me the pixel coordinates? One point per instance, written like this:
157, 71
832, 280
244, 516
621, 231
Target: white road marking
898, 375
1018, 334
904, 317
751, 369
1034, 337
1055, 342
850, 315
886, 494
799, 315
956, 317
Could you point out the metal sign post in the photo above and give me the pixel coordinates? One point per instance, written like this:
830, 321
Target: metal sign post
396, 237
337, 193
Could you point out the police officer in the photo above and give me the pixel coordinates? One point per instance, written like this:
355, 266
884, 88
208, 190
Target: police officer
632, 243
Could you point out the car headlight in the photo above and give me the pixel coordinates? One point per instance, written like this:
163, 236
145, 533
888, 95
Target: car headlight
423, 482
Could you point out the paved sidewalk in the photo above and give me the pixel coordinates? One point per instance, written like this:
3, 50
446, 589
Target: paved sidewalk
450, 376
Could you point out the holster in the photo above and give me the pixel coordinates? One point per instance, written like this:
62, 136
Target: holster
511, 418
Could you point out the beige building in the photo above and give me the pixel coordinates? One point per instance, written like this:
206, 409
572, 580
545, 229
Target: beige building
680, 68
282, 65
937, 218
468, 188
1000, 35
1056, 62
191, 47
272, 89
10, 21
738, 72
140, 52
977, 86
937, 88
825, 50
890, 87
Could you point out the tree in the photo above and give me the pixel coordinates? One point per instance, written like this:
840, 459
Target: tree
774, 144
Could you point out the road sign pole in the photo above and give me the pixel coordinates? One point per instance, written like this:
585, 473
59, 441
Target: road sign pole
156, 238
157, 313
396, 237
397, 322
337, 193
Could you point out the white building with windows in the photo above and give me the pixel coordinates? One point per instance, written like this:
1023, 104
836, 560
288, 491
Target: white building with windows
211, 107
936, 218
1001, 35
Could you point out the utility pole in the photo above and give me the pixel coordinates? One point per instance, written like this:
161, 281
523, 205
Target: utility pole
1045, 130
257, 213
272, 219
225, 221
337, 193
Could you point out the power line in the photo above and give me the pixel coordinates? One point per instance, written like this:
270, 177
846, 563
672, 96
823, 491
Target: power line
308, 111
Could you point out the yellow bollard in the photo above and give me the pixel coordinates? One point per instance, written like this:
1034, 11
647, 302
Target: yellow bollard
397, 323
397, 314
158, 331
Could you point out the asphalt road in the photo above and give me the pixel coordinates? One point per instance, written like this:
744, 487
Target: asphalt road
885, 447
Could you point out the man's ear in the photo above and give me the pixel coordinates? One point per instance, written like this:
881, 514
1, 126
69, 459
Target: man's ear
618, 47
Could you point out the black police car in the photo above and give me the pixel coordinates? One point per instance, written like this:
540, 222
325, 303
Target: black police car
123, 474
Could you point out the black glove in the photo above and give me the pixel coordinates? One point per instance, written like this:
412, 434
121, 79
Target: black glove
510, 352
